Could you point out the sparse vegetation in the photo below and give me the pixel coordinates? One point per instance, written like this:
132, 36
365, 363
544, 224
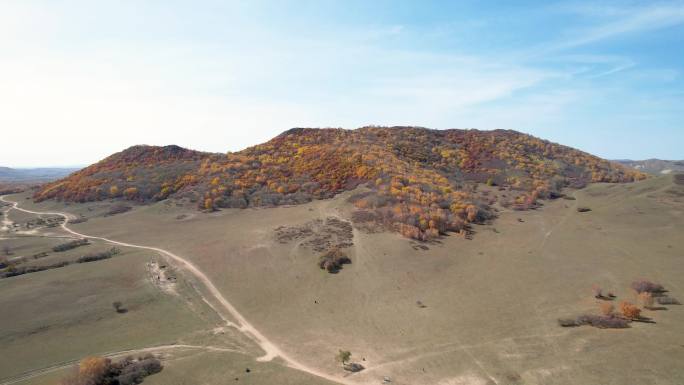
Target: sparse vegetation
603, 321
647, 286
118, 208
333, 260
98, 256
599, 293
118, 307
70, 245
629, 310
102, 371
665, 300
13, 271
343, 356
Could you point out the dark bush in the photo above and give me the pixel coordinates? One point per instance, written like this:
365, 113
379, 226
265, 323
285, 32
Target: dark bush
363, 216
101, 371
21, 270
70, 245
333, 260
647, 286
583, 209
667, 301
98, 256
568, 322
603, 321
42, 254
118, 208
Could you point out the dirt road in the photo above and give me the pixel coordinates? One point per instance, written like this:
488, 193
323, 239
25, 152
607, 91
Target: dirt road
270, 349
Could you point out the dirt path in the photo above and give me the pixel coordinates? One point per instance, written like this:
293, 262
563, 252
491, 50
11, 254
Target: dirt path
270, 349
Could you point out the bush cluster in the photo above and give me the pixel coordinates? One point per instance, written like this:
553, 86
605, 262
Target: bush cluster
647, 286
92, 257
333, 260
599, 321
102, 371
70, 245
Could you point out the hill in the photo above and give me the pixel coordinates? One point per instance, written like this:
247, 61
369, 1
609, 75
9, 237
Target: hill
28, 175
654, 166
420, 182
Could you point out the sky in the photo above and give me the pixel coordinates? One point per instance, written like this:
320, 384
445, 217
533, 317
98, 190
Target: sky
80, 80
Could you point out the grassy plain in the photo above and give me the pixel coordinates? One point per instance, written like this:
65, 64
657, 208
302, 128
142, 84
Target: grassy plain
491, 304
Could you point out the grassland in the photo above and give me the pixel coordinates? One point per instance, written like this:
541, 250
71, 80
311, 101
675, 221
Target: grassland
491, 304
52, 318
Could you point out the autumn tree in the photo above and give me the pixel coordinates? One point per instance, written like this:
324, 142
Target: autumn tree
90, 371
208, 204
629, 310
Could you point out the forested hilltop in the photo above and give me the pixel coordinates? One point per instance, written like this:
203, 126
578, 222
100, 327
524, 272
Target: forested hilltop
421, 182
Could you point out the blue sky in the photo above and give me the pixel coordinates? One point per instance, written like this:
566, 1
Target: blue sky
82, 79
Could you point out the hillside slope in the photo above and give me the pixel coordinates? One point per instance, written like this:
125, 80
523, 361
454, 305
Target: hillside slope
654, 166
422, 182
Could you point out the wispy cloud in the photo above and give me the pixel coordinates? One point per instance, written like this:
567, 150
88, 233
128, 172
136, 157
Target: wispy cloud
635, 20
220, 78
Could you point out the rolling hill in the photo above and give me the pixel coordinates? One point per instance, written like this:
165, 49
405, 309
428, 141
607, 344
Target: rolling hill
33, 175
421, 182
654, 166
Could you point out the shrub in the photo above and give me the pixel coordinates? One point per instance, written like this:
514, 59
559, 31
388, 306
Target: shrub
343, 356
101, 371
118, 306
118, 208
568, 322
90, 371
598, 291
629, 310
98, 256
602, 321
583, 209
333, 260
13, 271
647, 286
667, 301
70, 245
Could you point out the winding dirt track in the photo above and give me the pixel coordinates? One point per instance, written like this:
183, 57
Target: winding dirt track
271, 351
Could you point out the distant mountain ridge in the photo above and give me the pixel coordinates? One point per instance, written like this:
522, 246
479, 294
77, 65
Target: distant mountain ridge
654, 166
422, 182
44, 174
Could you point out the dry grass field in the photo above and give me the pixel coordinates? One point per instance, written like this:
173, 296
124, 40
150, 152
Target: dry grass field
489, 310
